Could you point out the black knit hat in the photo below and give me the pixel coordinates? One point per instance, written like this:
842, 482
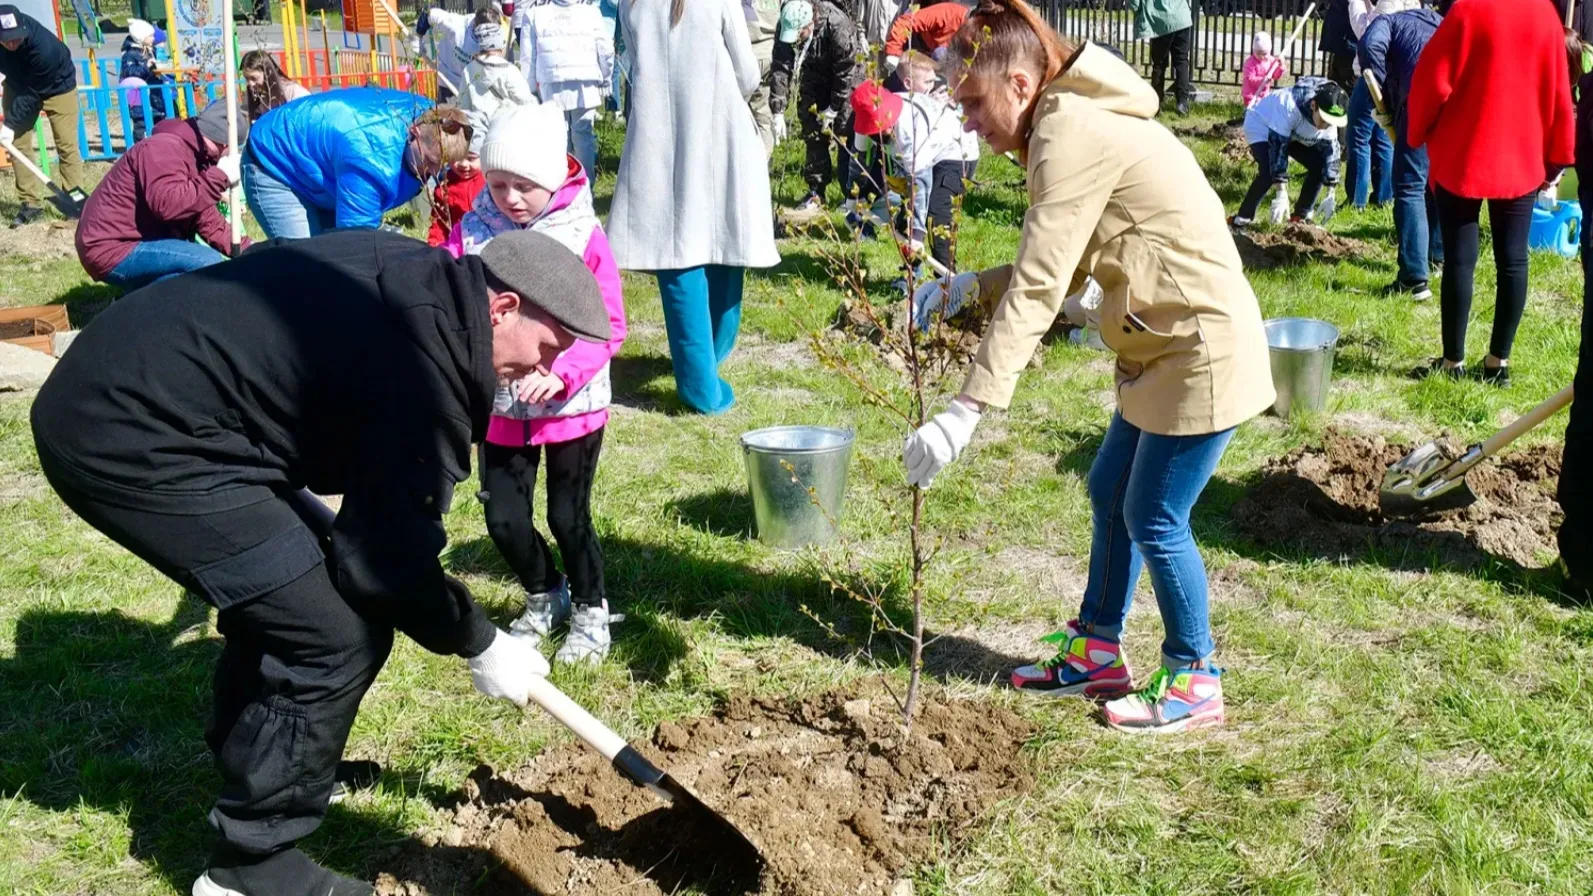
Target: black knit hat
548, 276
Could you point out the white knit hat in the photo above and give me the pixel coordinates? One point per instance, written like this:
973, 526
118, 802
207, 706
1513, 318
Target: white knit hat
1261, 45
140, 30
528, 141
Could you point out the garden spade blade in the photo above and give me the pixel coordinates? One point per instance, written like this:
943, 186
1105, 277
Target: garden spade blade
1428, 481
69, 202
700, 823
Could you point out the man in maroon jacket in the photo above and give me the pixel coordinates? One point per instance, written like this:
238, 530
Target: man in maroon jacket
139, 225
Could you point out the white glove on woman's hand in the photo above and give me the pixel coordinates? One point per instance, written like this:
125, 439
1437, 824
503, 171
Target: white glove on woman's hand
1330, 204
891, 62
938, 443
7, 136
1548, 198
230, 165
932, 298
1280, 205
507, 668
778, 128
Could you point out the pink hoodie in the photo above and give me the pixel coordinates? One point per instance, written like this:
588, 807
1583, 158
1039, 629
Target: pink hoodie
582, 407
1259, 76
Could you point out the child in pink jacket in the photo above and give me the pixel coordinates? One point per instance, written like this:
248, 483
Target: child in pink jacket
1262, 70
558, 416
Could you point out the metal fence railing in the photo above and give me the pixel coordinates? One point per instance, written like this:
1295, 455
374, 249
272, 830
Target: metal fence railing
1223, 30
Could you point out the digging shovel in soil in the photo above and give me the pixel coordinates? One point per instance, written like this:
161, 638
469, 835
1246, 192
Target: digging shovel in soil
69, 202
701, 825
1428, 481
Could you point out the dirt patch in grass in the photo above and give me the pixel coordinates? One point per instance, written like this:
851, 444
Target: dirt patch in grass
953, 342
837, 799
1295, 244
1324, 500
40, 241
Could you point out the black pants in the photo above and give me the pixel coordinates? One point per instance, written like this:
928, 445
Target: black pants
1177, 46
1457, 219
297, 660
510, 477
1315, 160
1575, 491
1341, 70
945, 185
817, 169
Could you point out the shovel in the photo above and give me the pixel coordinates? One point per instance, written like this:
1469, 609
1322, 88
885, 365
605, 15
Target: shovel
1427, 481
70, 202
743, 859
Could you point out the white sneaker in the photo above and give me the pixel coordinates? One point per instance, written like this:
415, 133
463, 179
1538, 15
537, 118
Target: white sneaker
543, 613
589, 639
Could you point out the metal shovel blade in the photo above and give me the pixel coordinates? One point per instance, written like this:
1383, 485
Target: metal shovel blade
1428, 481
743, 861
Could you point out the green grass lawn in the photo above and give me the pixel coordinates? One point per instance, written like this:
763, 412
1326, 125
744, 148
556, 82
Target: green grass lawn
1390, 732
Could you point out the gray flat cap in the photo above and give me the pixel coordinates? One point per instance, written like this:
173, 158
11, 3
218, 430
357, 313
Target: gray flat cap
213, 123
543, 272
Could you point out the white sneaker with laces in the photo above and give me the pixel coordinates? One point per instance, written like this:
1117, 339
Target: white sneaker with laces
589, 639
543, 613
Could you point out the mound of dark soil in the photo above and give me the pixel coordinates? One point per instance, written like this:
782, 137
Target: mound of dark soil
1295, 244
838, 800
1324, 500
954, 341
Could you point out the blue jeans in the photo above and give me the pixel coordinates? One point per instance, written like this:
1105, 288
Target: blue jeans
159, 260
1369, 152
1142, 487
702, 313
1421, 243
583, 139
280, 211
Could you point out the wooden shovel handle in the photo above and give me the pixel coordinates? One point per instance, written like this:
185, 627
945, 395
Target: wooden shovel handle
22, 157
571, 715
1527, 422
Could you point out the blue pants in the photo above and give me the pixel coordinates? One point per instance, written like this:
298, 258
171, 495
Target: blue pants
702, 312
1142, 487
280, 211
159, 260
1421, 243
1369, 151
583, 139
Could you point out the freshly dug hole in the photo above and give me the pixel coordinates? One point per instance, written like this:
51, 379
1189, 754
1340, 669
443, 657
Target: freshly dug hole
1324, 501
836, 799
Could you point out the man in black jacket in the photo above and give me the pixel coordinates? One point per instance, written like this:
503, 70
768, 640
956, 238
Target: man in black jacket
1338, 42
831, 68
189, 415
39, 79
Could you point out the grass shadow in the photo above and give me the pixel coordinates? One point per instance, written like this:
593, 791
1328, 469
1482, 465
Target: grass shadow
86, 300
721, 512
644, 382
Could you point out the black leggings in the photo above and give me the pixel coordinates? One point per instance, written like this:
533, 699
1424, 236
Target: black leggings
1457, 219
946, 184
1315, 162
509, 476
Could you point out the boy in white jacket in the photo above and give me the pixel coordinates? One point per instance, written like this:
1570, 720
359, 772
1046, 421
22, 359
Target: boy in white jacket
491, 80
567, 53
933, 153
456, 46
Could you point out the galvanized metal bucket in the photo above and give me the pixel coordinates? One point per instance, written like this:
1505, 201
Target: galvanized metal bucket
797, 477
1301, 350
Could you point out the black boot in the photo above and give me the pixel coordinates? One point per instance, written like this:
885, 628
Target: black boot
26, 215
285, 873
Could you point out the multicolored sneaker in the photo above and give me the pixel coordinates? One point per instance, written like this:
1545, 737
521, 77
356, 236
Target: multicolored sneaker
1085, 666
1171, 702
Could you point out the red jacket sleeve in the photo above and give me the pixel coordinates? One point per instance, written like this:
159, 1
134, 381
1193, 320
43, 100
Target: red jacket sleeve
1434, 79
901, 30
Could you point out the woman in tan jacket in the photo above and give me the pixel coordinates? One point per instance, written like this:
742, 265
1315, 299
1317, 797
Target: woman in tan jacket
1114, 195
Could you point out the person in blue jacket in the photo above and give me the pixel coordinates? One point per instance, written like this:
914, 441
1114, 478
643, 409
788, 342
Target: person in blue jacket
340, 159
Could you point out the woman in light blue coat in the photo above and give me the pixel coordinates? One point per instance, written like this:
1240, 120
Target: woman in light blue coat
692, 202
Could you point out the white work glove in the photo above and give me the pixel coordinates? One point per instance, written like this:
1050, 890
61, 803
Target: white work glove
1280, 205
778, 128
1329, 205
932, 298
1384, 121
1548, 198
938, 443
891, 62
231, 165
7, 135
507, 668
826, 119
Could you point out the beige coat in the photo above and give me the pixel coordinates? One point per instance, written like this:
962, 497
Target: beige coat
1114, 194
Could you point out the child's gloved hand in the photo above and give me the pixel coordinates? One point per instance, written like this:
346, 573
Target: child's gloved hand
536, 388
1330, 204
1280, 205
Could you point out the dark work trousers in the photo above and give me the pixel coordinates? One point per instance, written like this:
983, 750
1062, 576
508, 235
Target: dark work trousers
945, 185
1575, 491
1315, 160
1176, 46
817, 170
509, 476
1457, 220
1341, 71
297, 660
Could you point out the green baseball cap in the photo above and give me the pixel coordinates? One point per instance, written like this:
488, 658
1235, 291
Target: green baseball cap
1331, 103
794, 16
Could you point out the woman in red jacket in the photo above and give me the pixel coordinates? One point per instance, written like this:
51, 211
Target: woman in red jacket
1491, 102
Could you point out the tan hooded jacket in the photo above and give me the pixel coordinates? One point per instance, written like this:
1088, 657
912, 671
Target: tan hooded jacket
1114, 194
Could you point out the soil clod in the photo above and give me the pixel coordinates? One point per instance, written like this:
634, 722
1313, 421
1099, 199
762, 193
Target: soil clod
1324, 500
1295, 244
836, 797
